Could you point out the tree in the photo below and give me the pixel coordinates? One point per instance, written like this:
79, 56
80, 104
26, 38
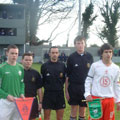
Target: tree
111, 15
87, 20
40, 12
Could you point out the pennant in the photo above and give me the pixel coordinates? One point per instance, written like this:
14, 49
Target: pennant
95, 108
24, 107
40, 118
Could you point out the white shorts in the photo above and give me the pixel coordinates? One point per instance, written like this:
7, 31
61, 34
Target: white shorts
8, 110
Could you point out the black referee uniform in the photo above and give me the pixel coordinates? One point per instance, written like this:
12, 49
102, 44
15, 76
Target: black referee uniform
53, 74
77, 69
33, 82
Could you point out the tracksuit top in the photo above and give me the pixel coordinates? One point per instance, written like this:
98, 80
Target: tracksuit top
53, 75
78, 66
102, 81
11, 80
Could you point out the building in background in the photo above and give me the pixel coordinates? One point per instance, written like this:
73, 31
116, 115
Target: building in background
12, 26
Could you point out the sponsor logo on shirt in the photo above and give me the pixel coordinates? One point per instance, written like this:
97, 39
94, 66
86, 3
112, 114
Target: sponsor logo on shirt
7, 72
76, 65
105, 81
48, 74
22, 80
63, 105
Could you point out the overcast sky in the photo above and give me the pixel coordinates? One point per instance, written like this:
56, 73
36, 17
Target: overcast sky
45, 30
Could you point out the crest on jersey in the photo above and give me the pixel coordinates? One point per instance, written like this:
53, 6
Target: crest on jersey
20, 73
88, 65
61, 75
33, 79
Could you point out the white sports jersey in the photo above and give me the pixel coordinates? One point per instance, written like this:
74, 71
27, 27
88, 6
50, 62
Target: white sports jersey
102, 81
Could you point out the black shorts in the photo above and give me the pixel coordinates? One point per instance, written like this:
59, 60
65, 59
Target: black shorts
34, 111
76, 93
53, 100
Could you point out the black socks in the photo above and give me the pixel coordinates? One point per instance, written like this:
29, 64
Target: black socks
81, 118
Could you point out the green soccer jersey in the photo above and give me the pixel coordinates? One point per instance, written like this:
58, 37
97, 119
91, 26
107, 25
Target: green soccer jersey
11, 80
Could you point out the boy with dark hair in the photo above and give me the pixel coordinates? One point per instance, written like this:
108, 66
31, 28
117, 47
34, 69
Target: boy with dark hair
105, 47
102, 82
33, 84
11, 85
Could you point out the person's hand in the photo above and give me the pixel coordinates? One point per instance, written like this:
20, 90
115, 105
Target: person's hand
39, 107
11, 98
22, 96
89, 98
118, 106
67, 95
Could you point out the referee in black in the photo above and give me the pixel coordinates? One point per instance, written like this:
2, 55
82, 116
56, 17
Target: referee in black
33, 84
53, 74
78, 64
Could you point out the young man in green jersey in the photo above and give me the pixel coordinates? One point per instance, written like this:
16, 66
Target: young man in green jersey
11, 85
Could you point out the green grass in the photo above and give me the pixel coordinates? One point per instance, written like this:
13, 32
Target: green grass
67, 109
36, 66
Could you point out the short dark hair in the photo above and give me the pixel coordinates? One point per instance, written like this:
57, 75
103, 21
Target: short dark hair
52, 47
27, 54
105, 46
79, 38
11, 47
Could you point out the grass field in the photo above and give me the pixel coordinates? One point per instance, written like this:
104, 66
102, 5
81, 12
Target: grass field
67, 109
